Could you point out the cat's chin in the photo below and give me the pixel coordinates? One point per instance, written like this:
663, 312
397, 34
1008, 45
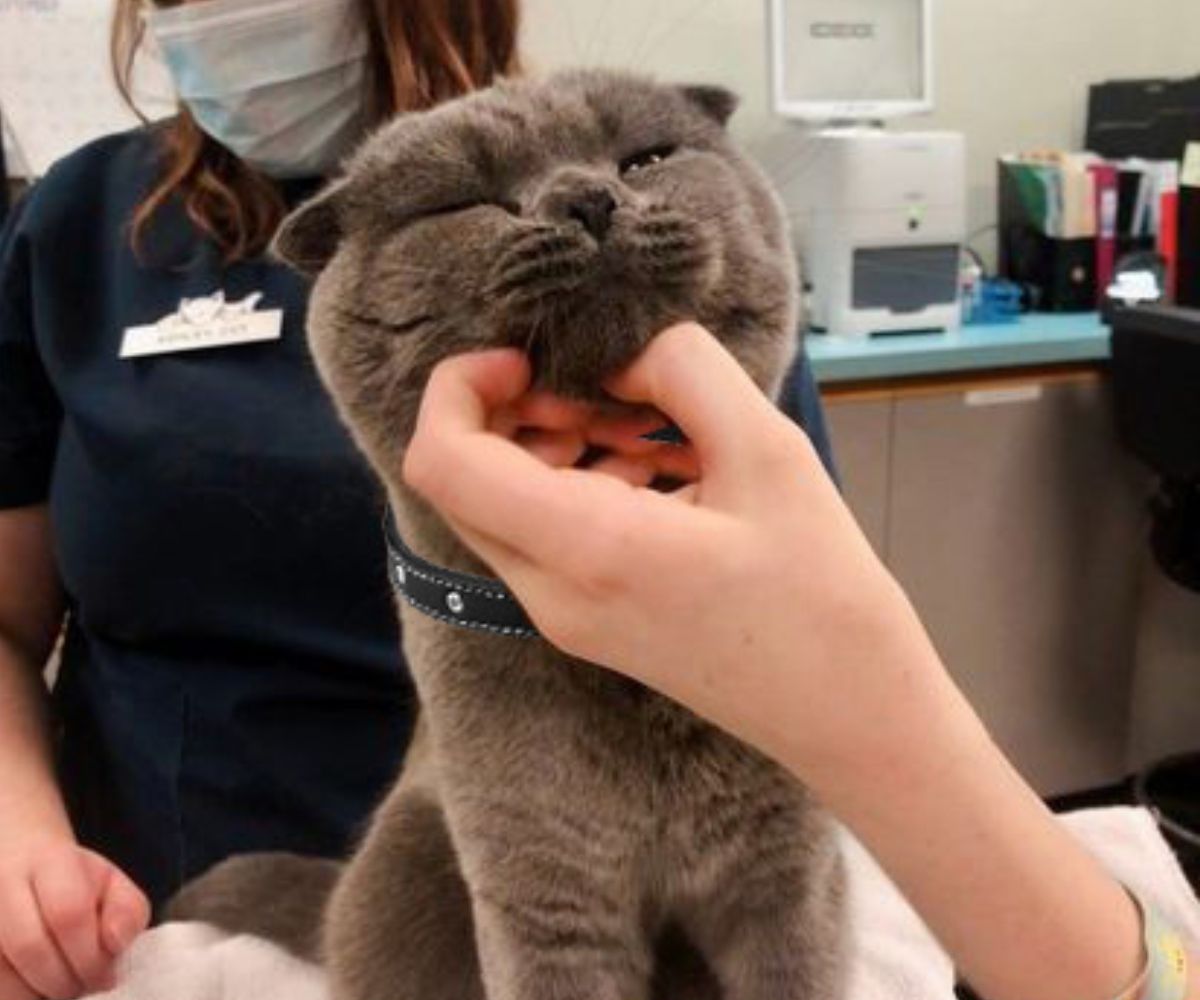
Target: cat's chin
577, 366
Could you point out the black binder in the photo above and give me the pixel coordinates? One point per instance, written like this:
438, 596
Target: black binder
1188, 285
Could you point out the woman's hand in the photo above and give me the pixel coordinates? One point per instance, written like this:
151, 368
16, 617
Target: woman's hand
751, 584
66, 915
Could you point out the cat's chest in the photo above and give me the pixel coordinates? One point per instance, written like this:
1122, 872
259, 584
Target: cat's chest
491, 683
523, 713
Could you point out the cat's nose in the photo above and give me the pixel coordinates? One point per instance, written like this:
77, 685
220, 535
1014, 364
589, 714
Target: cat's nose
593, 208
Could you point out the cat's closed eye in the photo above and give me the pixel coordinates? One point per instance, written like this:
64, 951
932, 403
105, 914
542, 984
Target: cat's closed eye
510, 207
646, 158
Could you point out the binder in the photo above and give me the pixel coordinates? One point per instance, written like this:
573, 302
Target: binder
1107, 200
1135, 208
1168, 237
1188, 267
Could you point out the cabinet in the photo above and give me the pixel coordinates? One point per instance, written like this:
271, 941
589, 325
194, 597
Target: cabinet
1009, 513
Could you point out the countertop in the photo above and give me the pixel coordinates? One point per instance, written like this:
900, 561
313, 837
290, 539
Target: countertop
1037, 339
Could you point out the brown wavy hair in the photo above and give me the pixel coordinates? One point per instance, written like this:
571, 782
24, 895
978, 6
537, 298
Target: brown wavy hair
422, 52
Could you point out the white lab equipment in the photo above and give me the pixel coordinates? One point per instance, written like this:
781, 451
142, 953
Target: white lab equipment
880, 215
880, 229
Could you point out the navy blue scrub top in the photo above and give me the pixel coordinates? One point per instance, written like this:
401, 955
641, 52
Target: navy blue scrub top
231, 677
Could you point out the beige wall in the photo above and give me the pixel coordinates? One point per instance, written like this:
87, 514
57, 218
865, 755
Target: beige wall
1011, 73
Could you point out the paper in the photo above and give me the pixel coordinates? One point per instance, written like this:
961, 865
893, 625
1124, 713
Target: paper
56, 85
1003, 396
1191, 166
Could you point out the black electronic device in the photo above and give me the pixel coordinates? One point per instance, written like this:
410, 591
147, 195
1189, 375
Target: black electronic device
1156, 372
1188, 287
1150, 118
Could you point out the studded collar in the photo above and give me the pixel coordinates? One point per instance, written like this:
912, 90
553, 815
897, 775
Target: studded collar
475, 602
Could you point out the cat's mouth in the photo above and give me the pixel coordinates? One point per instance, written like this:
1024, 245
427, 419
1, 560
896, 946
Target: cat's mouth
599, 458
583, 308
655, 445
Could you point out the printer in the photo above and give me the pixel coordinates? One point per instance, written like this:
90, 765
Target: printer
880, 215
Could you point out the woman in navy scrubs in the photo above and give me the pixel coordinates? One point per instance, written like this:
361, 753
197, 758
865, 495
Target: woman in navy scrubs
195, 521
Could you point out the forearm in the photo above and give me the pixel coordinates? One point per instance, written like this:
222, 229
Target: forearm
29, 795
1024, 911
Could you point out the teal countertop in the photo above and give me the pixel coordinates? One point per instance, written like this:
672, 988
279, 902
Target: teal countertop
1036, 339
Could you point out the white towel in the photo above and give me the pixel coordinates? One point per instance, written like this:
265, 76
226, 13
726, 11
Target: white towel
1128, 844
197, 962
894, 955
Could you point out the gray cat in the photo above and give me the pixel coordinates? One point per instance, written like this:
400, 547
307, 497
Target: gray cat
558, 832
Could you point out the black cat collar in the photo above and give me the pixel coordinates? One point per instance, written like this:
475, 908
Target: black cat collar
474, 602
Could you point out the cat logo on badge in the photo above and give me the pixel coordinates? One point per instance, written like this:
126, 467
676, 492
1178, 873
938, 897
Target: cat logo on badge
205, 322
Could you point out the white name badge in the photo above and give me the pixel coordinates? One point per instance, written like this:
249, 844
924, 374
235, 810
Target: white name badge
204, 323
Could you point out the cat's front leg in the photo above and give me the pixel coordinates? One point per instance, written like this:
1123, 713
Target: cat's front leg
555, 919
398, 926
775, 930
534, 951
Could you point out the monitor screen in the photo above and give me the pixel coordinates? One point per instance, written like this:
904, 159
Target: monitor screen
851, 59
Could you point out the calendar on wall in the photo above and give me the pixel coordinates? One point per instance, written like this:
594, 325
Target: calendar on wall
56, 85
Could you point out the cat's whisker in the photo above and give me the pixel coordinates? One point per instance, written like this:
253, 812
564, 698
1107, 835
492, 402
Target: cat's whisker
534, 231
649, 24
569, 20
595, 37
798, 168
563, 274
557, 244
682, 264
531, 339
649, 45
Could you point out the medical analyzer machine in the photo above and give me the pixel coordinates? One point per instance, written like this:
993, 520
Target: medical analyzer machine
880, 215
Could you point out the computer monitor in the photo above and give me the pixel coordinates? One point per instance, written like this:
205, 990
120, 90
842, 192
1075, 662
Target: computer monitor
851, 60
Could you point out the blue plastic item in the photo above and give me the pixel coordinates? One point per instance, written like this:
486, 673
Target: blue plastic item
996, 301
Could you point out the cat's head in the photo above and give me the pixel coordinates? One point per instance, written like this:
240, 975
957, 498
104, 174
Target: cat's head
574, 218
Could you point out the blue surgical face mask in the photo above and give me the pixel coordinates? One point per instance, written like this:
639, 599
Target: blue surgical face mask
281, 83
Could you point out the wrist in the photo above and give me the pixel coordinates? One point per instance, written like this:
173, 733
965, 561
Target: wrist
25, 828
937, 799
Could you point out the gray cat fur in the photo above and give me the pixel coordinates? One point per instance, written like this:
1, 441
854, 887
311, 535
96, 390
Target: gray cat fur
558, 832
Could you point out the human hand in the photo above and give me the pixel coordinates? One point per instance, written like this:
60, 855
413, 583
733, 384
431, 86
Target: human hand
66, 915
750, 595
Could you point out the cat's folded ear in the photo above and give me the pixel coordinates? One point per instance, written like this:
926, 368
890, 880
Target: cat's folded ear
716, 102
309, 237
